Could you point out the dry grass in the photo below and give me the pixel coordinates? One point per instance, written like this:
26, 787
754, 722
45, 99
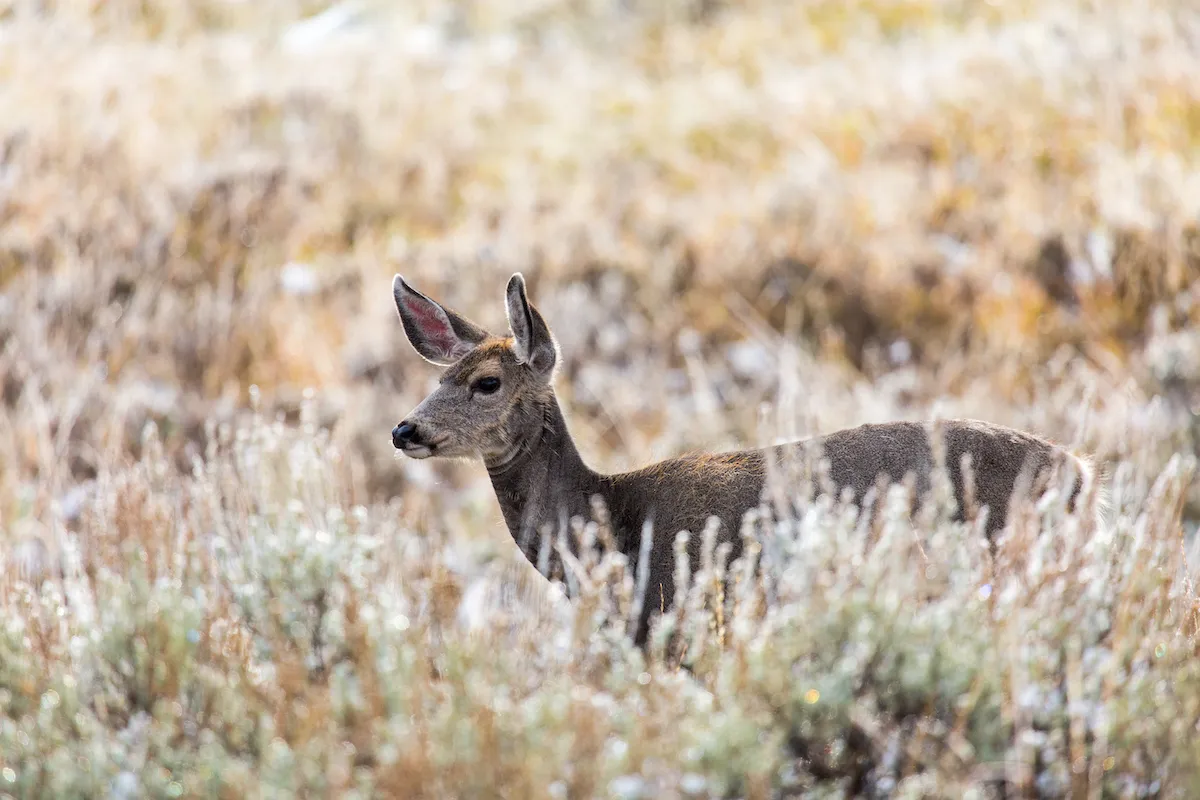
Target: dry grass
847, 211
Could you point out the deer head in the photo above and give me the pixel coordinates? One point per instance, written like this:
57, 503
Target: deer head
491, 399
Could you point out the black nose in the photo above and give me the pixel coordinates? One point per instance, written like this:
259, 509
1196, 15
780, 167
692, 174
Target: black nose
402, 433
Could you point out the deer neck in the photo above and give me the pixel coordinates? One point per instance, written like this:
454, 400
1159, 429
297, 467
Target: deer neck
543, 482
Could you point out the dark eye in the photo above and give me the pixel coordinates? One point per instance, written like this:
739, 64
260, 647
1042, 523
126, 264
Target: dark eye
487, 385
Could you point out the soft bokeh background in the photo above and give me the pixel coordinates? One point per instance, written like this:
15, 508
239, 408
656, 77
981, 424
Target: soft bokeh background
741, 219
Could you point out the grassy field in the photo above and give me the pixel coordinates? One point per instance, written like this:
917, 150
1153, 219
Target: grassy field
743, 220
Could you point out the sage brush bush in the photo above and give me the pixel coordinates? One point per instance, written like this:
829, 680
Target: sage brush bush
243, 631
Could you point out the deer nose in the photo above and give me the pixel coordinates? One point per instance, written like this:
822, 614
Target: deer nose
403, 433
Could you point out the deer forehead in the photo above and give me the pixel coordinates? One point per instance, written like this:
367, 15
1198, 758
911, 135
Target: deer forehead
487, 359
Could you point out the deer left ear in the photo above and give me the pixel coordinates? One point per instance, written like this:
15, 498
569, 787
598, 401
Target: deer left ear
437, 333
532, 341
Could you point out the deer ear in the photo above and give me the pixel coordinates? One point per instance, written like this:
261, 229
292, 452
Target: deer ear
531, 335
437, 333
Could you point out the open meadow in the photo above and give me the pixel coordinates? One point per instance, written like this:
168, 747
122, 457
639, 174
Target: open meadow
744, 220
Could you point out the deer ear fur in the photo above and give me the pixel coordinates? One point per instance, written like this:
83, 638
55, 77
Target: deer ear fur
438, 334
532, 341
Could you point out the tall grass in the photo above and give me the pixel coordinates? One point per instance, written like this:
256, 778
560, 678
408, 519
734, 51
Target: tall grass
245, 631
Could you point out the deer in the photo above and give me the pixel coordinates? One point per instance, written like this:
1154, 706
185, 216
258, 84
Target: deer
495, 402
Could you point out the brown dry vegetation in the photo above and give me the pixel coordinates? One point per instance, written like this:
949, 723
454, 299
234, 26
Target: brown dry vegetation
847, 211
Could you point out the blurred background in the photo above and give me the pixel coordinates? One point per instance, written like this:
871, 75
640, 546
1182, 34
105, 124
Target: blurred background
741, 219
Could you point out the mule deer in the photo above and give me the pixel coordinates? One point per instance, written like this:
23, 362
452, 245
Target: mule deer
495, 401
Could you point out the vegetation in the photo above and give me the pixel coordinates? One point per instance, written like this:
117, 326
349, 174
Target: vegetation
744, 221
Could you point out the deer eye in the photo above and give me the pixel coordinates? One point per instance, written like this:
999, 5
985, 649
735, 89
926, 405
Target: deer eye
487, 385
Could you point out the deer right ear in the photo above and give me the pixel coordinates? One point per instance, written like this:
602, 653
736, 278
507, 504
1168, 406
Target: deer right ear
437, 333
532, 341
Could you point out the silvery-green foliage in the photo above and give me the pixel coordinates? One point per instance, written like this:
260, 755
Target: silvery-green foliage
248, 630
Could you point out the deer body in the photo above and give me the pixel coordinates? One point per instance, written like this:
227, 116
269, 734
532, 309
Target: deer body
495, 401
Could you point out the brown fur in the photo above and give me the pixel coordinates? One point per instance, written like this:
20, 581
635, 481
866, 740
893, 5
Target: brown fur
541, 480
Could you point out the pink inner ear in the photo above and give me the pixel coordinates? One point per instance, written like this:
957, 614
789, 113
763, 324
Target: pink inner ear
434, 326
